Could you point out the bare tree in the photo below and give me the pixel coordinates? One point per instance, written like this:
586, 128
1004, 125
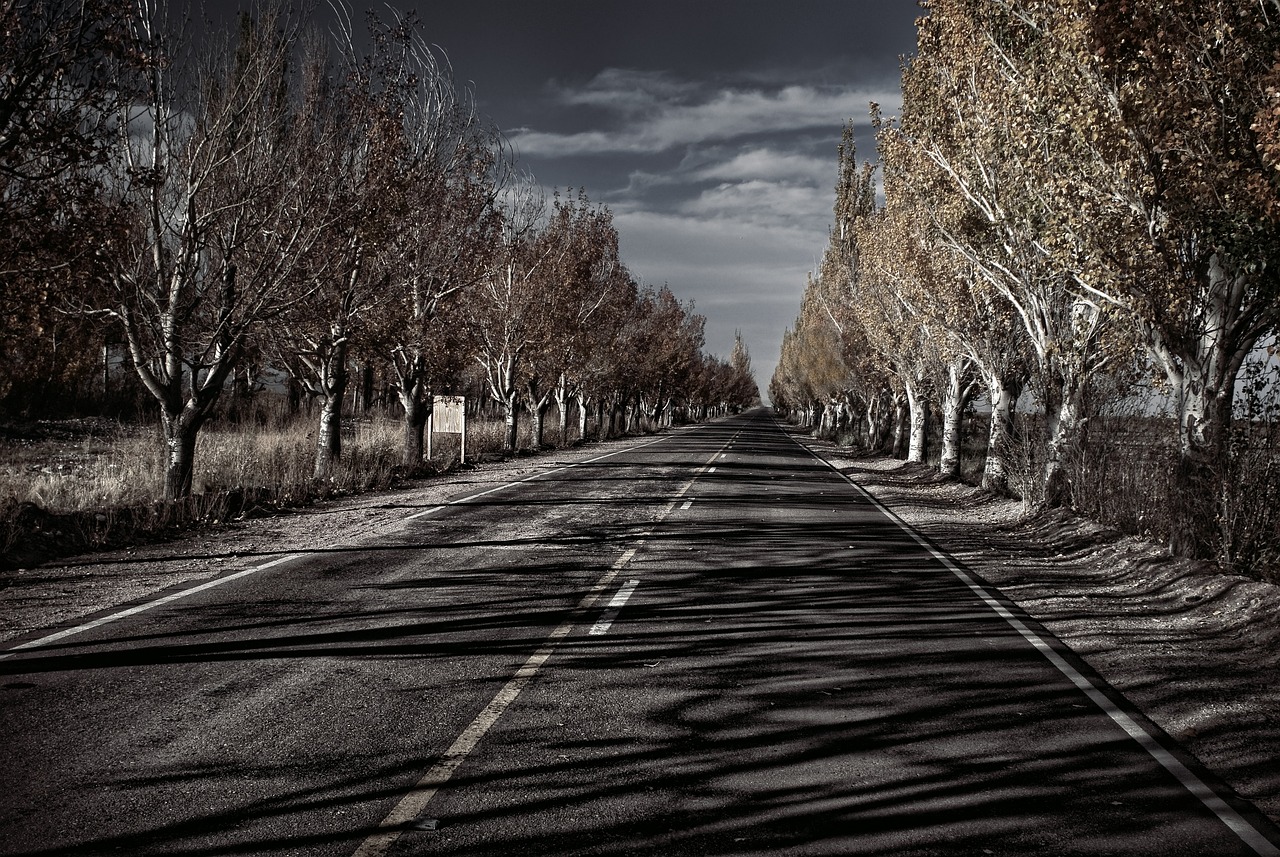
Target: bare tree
211, 211
739, 386
583, 277
411, 179
510, 312
349, 169
452, 166
665, 339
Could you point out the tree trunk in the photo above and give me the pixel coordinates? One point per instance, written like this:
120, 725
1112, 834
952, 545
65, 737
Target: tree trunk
296, 393
182, 416
959, 392
416, 410
1003, 391
415, 400
180, 432
889, 417
1204, 414
329, 437
538, 414
1065, 425
511, 417
900, 425
1193, 512
919, 407
1202, 369
537, 407
562, 404
582, 416
332, 390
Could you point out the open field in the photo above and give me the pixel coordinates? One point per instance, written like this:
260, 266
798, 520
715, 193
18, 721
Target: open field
72, 485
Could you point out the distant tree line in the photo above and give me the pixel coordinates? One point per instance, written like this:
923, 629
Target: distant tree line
276, 195
1077, 197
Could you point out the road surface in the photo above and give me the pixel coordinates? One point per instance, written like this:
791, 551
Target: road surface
708, 643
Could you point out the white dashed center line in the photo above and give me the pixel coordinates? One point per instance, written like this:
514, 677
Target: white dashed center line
609, 615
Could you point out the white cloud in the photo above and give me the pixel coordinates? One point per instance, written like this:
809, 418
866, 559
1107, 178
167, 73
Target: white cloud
764, 203
771, 164
656, 117
746, 164
627, 90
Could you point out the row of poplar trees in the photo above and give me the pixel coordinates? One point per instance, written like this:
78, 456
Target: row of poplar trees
302, 198
1074, 192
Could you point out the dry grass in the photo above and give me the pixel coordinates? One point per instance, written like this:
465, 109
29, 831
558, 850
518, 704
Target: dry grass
108, 466
93, 483
125, 466
128, 469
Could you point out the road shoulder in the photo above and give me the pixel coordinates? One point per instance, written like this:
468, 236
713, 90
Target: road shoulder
69, 589
1196, 650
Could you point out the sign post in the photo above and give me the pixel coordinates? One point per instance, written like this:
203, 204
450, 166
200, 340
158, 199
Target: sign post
449, 416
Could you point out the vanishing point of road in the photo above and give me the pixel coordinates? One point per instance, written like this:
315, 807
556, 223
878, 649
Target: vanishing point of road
704, 643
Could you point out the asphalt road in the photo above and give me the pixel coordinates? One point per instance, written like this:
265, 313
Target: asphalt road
709, 643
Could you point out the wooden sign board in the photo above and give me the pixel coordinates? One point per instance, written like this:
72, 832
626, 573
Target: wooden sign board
449, 416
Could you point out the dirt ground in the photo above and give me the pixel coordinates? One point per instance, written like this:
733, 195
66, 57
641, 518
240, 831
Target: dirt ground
1198, 652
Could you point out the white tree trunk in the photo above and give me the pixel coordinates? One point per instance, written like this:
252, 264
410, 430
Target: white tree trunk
919, 407
331, 385
1065, 425
956, 399
901, 423
1003, 392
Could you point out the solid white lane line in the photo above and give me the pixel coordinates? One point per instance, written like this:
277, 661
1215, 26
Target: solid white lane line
425, 512
1237, 823
142, 608
610, 616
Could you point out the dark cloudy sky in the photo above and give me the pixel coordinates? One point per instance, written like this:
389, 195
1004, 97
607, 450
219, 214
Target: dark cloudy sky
709, 127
